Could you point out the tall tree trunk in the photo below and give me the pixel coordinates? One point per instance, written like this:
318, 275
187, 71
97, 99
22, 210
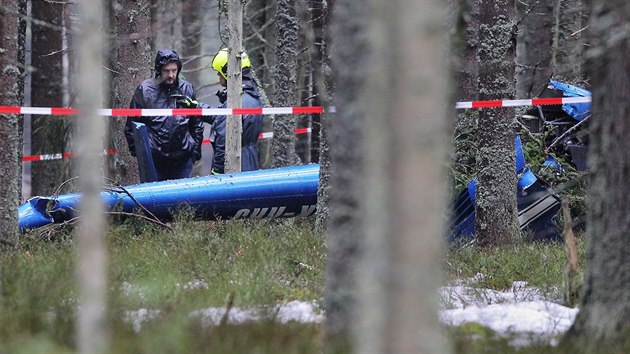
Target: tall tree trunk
305, 82
234, 123
324, 86
317, 21
283, 145
191, 46
496, 213
92, 330
345, 139
405, 186
49, 134
568, 42
465, 42
259, 39
131, 60
166, 24
12, 35
192, 19
603, 323
533, 46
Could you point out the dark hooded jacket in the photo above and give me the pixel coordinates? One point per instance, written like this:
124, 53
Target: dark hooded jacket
176, 138
252, 126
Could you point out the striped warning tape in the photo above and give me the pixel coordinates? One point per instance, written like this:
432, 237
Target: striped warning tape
132, 112
59, 156
517, 103
67, 155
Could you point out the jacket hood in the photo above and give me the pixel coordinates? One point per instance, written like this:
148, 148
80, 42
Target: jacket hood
165, 56
249, 84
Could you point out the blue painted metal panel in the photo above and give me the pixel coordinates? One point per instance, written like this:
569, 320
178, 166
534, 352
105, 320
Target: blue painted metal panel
578, 111
272, 193
536, 204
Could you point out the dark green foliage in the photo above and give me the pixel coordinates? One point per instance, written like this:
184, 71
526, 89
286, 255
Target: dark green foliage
569, 183
463, 163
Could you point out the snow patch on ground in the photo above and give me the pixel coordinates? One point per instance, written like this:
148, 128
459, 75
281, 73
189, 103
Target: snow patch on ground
299, 311
523, 312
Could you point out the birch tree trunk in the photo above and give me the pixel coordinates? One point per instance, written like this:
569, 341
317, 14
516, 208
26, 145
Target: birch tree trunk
346, 167
407, 129
12, 34
496, 213
49, 134
131, 60
92, 329
234, 123
283, 145
603, 323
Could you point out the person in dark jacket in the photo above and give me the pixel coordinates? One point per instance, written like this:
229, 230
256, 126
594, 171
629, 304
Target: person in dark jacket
175, 140
252, 123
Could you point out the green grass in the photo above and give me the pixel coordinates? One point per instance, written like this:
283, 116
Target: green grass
541, 264
259, 263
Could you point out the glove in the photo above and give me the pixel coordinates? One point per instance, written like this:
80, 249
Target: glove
222, 94
184, 101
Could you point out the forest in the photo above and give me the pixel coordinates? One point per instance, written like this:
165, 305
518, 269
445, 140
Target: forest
410, 133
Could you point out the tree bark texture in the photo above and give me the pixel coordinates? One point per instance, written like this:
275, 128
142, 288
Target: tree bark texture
569, 40
496, 213
465, 43
191, 46
12, 81
324, 88
49, 134
533, 46
166, 24
405, 177
283, 145
92, 330
603, 323
234, 123
259, 40
131, 60
346, 154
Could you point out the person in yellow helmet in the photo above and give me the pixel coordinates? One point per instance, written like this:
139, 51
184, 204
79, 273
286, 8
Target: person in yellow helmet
252, 123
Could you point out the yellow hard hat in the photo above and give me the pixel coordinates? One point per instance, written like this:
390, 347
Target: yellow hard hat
220, 61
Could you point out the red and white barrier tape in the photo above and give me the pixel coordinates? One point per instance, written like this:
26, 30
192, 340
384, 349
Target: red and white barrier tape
67, 155
59, 156
517, 103
131, 112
